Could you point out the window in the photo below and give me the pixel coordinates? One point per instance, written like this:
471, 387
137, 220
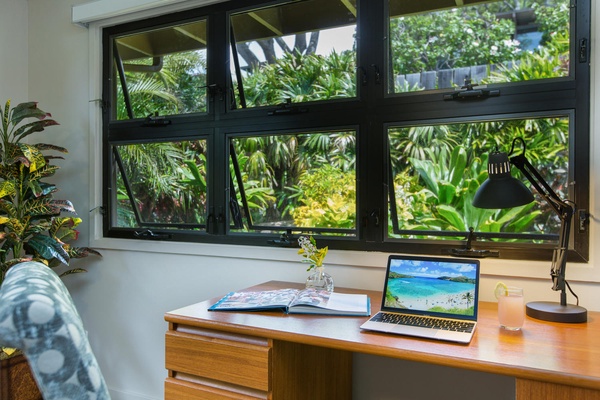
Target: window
289, 53
162, 71
295, 181
431, 186
367, 124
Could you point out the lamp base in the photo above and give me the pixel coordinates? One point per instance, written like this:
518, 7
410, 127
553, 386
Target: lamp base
555, 312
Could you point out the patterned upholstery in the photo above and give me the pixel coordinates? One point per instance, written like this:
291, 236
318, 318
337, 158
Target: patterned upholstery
37, 316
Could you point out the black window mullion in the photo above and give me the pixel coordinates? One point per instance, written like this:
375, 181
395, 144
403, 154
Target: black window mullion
580, 163
218, 163
372, 194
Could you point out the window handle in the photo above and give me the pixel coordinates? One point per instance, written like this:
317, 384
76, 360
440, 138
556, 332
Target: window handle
363, 74
374, 217
210, 220
287, 109
215, 90
156, 120
148, 234
284, 240
470, 91
469, 251
377, 74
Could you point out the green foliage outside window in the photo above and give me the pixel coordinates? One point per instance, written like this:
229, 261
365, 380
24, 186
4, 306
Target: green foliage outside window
301, 78
427, 197
327, 199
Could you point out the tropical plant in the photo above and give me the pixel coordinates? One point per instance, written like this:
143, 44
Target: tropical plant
166, 180
441, 197
31, 225
327, 198
178, 87
301, 78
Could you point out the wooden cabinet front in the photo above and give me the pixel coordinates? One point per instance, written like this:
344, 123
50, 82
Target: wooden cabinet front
207, 364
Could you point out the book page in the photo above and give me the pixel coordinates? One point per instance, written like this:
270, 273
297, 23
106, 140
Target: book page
352, 303
347, 302
256, 300
311, 297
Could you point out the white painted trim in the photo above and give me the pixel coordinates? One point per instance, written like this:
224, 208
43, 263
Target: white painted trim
93, 11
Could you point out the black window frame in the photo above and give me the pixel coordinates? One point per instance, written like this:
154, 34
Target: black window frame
370, 113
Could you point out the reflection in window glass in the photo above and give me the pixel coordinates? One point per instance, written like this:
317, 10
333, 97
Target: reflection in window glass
303, 180
490, 42
290, 53
161, 183
164, 71
436, 170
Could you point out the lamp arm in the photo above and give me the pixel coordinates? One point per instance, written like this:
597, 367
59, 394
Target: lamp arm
564, 211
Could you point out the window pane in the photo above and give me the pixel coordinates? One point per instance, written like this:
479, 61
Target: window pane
304, 180
290, 53
161, 183
436, 170
489, 42
164, 70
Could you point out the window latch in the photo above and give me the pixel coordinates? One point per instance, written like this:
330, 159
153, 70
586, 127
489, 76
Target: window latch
287, 109
471, 92
156, 120
148, 234
284, 240
468, 251
215, 90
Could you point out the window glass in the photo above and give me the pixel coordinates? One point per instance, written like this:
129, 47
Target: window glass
276, 96
489, 42
161, 183
302, 180
436, 170
161, 71
291, 53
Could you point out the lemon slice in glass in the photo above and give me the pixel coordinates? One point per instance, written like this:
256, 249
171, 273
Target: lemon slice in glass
501, 290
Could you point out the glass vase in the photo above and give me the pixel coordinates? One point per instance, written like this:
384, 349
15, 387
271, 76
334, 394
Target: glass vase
319, 279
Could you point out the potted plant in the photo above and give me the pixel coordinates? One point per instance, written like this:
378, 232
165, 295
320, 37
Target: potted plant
31, 223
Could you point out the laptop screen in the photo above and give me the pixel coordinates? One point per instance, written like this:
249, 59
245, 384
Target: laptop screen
445, 287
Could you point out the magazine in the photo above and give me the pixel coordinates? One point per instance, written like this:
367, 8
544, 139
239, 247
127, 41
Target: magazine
294, 301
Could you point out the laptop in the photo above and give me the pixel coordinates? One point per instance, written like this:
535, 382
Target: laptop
429, 297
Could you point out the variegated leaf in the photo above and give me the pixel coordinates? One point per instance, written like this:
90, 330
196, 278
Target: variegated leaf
48, 248
35, 157
7, 188
46, 146
33, 127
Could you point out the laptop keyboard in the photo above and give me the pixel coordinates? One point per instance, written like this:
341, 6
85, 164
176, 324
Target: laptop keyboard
424, 322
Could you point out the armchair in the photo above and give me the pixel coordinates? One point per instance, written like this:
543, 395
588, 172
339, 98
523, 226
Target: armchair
38, 316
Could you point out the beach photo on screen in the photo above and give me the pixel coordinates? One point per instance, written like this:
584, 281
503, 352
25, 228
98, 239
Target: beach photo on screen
434, 286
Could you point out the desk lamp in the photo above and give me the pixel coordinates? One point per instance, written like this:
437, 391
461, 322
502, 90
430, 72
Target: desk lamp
501, 190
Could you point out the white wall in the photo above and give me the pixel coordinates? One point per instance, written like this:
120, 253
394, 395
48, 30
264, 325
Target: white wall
13, 51
125, 294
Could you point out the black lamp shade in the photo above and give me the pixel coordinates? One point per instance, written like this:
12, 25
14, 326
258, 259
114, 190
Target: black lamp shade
501, 190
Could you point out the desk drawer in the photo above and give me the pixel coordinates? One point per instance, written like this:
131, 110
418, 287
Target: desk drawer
176, 389
239, 360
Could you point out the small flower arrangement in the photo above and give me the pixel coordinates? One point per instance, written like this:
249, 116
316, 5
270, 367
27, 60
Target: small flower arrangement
311, 253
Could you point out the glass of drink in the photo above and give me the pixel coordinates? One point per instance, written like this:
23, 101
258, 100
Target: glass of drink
511, 308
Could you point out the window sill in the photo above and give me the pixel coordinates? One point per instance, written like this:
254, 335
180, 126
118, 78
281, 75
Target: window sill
581, 272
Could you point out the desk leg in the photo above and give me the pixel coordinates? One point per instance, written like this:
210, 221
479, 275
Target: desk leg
303, 372
535, 390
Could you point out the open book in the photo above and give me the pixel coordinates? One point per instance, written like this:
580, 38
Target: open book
294, 301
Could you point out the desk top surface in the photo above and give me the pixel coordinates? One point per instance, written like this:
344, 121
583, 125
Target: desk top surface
567, 354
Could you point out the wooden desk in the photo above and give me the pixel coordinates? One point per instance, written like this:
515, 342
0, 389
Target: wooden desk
271, 355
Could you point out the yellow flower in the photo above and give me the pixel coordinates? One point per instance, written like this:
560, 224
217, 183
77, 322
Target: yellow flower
312, 255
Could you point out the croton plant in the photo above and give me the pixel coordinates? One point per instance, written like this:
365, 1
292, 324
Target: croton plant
32, 226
